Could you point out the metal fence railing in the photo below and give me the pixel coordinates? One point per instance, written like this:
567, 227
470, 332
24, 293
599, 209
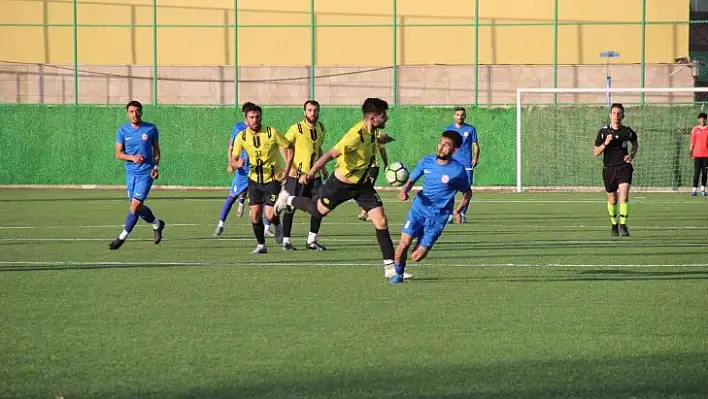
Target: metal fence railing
476, 23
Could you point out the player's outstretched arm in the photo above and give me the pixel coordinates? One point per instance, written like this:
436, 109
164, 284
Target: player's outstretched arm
405, 189
321, 162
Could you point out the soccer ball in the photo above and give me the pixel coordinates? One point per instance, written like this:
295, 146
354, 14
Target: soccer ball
396, 174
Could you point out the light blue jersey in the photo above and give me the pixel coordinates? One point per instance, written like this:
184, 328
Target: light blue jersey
432, 206
239, 184
469, 137
238, 128
138, 140
441, 184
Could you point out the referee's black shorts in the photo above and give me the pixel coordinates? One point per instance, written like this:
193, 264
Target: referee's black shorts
335, 192
613, 176
310, 190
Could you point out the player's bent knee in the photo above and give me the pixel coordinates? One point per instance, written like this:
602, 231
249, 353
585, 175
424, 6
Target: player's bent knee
135, 205
378, 218
419, 254
321, 208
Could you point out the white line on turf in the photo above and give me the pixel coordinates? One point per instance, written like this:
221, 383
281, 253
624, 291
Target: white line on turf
535, 227
446, 241
330, 264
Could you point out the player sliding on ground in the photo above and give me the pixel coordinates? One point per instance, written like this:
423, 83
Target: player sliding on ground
432, 206
355, 153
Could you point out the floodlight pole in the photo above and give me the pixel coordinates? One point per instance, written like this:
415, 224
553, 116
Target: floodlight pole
609, 54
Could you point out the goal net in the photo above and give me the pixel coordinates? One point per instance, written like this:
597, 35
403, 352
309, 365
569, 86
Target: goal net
556, 130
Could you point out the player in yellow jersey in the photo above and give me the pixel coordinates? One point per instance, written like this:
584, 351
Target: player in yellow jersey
261, 143
382, 139
307, 137
355, 153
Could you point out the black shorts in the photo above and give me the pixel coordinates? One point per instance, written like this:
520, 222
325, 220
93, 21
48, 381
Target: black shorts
613, 176
309, 190
263, 193
335, 192
374, 174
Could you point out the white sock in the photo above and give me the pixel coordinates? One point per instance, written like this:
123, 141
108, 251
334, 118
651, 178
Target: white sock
260, 246
311, 237
694, 189
266, 223
221, 223
156, 224
289, 201
388, 262
123, 235
703, 188
286, 240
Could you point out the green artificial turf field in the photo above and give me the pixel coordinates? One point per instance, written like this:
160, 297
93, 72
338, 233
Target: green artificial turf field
532, 298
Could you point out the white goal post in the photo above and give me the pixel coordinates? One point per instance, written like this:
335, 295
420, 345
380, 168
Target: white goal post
657, 113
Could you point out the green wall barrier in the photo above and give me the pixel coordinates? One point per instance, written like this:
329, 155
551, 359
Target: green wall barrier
75, 145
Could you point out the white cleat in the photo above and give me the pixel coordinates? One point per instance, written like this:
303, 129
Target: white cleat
268, 232
389, 272
281, 204
260, 249
239, 211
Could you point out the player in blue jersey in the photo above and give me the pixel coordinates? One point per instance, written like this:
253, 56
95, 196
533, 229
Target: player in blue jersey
137, 143
428, 215
468, 154
239, 184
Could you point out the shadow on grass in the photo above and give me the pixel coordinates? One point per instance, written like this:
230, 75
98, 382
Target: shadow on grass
578, 276
657, 376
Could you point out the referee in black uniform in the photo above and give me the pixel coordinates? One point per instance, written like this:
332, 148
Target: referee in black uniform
613, 141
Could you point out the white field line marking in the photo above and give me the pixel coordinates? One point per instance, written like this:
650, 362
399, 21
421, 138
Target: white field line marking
535, 227
612, 243
329, 264
501, 201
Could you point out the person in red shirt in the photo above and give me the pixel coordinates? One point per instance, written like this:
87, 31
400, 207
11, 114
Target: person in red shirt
699, 152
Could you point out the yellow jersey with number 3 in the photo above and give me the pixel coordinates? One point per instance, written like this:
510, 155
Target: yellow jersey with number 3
307, 142
263, 154
358, 151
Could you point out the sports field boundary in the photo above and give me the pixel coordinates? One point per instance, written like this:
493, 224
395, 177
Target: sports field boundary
497, 189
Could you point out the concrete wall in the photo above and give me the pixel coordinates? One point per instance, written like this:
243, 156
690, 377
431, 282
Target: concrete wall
454, 44
104, 84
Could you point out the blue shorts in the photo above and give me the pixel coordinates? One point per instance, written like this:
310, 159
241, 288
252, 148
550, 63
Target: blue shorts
470, 176
138, 186
239, 184
425, 228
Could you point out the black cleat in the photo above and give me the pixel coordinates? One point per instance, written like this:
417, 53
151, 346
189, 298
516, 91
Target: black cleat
115, 244
289, 247
623, 230
279, 233
316, 246
614, 232
157, 233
